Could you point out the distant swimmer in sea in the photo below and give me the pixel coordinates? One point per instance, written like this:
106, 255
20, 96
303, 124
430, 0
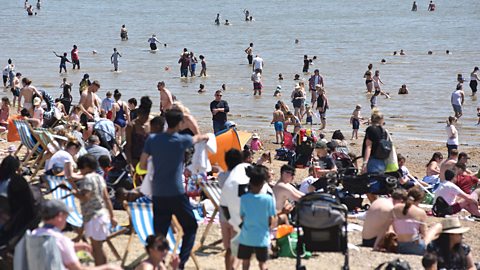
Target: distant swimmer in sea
63, 61
474, 78
383, 61
368, 78
227, 22
224, 87
447, 52
247, 15
414, 6
377, 81
402, 52
153, 42
431, 6
30, 10
124, 33
297, 41
114, 58
39, 4
201, 89
217, 20
203, 72
403, 90
280, 77
394, 53
430, 53
296, 77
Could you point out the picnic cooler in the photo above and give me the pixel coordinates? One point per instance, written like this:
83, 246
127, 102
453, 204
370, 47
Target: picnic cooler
324, 222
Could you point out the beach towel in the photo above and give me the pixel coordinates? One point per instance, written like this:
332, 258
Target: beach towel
200, 161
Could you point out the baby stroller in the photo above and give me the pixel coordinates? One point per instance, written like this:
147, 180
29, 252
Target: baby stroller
380, 184
324, 222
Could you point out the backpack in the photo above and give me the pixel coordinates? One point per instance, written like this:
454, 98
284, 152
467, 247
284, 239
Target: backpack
384, 147
397, 264
441, 208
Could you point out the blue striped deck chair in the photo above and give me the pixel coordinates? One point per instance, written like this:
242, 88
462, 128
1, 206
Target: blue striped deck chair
28, 140
141, 221
75, 218
213, 192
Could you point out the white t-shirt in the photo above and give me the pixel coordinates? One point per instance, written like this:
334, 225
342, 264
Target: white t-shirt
306, 183
448, 191
59, 158
457, 98
257, 63
65, 245
451, 130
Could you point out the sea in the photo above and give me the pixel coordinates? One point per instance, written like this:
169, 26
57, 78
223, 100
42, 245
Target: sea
345, 36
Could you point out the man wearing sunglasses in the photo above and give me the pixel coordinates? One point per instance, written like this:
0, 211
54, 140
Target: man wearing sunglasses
285, 192
219, 109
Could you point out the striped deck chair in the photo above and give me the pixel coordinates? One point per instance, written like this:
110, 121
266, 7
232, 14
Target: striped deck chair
213, 192
27, 140
141, 220
75, 218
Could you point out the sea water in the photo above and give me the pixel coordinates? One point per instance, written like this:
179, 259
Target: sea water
344, 35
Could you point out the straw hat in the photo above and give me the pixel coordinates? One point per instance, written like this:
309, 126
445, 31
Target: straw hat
453, 225
255, 136
37, 101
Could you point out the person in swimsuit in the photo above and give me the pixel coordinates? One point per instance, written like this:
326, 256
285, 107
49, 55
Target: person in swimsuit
16, 87
153, 42
368, 78
203, 72
249, 52
474, 78
277, 121
355, 121
298, 100
431, 6
433, 169
63, 61
30, 10
66, 97
114, 58
28, 92
322, 106
409, 223
123, 33
75, 58
137, 132
189, 124
414, 6
89, 103
217, 19
377, 81
166, 99
193, 64
120, 116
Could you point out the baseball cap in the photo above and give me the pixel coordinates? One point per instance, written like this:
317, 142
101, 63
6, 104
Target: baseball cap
320, 145
51, 208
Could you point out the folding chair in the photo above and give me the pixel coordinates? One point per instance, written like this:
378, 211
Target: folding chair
43, 136
141, 221
75, 218
27, 140
213, 192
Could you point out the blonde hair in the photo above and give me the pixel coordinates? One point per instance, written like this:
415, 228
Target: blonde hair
376, 117
178, 105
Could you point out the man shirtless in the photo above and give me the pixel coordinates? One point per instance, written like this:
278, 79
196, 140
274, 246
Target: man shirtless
166, 99
448, 164
16, 87
284, 192
277, 121
28, 91
378, 217
89, 103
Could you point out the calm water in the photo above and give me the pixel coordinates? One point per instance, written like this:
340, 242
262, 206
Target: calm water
344, 35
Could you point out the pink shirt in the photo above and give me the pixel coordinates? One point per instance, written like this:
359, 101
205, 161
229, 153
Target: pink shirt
38, 114
4, 113
65, 245
255, 144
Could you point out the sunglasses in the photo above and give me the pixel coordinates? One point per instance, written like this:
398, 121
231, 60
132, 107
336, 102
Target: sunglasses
160, 248
218, 95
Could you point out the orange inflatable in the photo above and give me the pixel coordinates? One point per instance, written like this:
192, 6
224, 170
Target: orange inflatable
227, 140
12, 135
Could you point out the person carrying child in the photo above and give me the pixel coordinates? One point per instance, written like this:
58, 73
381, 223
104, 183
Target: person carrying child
258, 214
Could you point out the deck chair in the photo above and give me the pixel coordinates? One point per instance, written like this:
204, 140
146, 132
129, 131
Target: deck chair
141, 221
46, 142
75, 218
213, 192
27, 140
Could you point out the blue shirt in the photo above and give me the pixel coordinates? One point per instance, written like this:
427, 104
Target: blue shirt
256, 209
168, 152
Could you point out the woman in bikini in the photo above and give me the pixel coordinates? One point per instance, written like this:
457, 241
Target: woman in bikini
368, 78
433, 169
120, 116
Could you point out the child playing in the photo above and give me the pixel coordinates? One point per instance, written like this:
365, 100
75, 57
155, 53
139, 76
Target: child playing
355, 120
201, 88
75, 115
258, 213
309, 113
63, 61
255, 143
107, 104
38, 111
203, 72
95, 205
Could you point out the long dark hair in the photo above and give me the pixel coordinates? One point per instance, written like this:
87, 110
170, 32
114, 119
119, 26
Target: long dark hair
446, 257
434, 157
415, 194
145, 106
9, 167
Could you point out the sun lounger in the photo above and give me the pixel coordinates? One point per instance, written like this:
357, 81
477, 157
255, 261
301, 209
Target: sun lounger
28, 140
213, 192
75, 218
141, 221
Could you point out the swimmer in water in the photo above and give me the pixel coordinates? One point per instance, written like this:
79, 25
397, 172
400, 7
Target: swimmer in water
414, 6
153, 42
30, 10
402, 52
224, 87
227, 22
447, 52
403, 90
394, 52
431, 6
217, 20
297, 41
297, 77
63, 61
201, 89
383, 61
368, 78
430, 53
278, 91
247, 15
280, 77
124, 32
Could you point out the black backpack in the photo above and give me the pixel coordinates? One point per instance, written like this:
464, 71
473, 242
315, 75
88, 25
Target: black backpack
397, 264
441, 208
384, 147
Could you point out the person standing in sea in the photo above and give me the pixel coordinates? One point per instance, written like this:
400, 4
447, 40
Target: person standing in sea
257, 82
75, 58
166, 99
153, 42
322, 105
457, 99
219, 109
63, 61
124, 32
315, 79
114, 58
306, 64
184, 62
258, 63
474, 78
249, 52
414, 6
167, 150
368, 78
